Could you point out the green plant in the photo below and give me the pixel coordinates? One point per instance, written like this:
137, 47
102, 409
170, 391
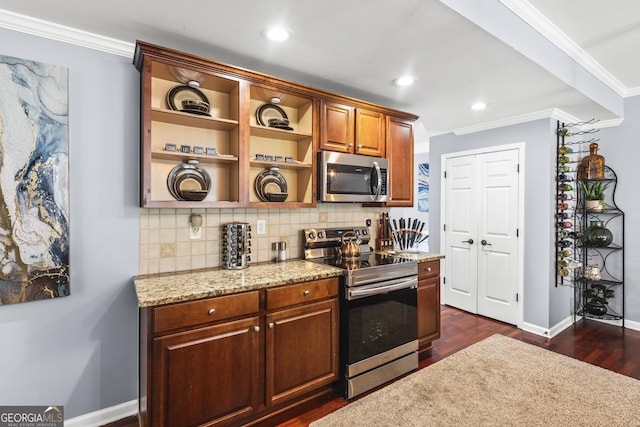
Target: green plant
594, 190
598, 294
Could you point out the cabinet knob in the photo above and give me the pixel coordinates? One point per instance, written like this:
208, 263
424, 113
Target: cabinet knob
428, 268
212, 311
271, 325
306, 293
256, 328
359, 145
350, 145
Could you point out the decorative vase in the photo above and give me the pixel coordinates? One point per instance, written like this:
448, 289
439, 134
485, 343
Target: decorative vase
596, 309
598, 235
591, 166
595, 205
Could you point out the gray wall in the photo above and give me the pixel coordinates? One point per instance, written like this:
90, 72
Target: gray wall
81, 351
544, 305
620, 147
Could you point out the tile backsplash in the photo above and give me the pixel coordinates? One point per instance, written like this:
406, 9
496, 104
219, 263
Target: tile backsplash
166, 245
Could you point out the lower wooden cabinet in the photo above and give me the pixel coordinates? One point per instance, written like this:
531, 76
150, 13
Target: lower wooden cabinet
208, 375
240, 358
428, 304
302, 349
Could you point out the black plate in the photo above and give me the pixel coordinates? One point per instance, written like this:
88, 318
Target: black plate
269, 111
198, 112
183, 174
177, 94
266, 177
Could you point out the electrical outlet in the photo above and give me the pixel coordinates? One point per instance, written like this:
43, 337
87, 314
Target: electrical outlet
195, 233
261, 226
367, 222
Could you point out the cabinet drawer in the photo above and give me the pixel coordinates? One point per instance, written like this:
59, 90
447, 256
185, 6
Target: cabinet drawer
304, 292
428, 269
209, 310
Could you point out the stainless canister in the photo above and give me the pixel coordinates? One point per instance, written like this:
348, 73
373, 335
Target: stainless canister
236, 245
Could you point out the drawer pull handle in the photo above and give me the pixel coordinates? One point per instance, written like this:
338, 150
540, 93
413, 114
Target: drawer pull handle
212, 311
271, 325
305, 293
428, 268
256, 328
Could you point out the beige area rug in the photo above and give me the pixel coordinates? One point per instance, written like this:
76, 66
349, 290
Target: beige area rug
499, 382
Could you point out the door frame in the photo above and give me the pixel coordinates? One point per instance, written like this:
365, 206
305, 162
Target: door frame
520, 146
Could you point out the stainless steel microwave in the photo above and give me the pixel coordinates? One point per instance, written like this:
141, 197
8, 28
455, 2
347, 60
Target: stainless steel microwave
352, 178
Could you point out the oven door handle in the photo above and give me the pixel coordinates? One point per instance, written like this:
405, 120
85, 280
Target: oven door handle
378, 289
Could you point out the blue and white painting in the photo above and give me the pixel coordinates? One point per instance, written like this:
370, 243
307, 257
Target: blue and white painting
423, 187
34, 181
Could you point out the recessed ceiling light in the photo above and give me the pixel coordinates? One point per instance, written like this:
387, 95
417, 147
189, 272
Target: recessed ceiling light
277, 33
404, 80
479, 106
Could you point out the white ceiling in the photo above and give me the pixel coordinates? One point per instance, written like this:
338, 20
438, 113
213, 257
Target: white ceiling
460, 51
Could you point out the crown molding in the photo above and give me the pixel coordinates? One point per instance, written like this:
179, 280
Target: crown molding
553, 113
541, 23
50, 30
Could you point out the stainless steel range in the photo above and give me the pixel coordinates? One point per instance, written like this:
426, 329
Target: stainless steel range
378, 309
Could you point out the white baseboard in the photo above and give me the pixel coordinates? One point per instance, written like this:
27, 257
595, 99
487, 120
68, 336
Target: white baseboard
560, 326
104, 416
535, 329
632, 325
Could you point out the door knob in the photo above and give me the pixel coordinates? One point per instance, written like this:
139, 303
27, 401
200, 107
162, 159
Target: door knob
484, 243
470, 241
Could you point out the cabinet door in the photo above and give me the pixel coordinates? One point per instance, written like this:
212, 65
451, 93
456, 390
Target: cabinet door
302, 350
370, 133
400, 155
208, 375
337, 132
428, 311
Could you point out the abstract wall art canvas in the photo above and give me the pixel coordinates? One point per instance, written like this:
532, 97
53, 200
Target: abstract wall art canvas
34, 181
423, 187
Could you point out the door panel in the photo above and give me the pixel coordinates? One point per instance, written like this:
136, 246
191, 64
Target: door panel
461, 255
498, 225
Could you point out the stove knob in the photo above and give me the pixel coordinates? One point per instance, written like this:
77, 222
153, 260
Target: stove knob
320, 235
357, 232
312, 235
365, 232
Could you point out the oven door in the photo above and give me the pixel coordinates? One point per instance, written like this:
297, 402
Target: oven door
380, 318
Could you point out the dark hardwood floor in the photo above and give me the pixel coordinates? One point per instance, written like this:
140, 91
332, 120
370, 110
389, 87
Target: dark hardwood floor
607, 346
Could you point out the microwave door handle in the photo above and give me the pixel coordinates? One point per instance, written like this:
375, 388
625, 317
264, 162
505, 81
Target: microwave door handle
378, 175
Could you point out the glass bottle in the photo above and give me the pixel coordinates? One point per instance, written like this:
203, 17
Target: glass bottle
564, 253
592, 166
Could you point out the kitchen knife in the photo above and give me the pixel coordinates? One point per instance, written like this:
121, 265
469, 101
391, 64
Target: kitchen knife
394, 232
414, 231
419, 235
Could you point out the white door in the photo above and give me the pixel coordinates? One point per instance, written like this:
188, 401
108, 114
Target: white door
461, 229
481, 234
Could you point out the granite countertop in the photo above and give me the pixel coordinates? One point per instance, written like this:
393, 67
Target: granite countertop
159, 289
419, 256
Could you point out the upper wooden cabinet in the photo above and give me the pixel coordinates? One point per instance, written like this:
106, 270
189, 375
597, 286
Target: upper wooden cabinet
350, 129
229, 151
337, 127
399, 142
370, 133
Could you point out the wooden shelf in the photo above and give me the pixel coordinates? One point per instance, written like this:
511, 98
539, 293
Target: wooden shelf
268, 132
192, 120
177, 155
282, 165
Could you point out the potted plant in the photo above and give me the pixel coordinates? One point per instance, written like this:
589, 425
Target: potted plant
594, 195
597, 298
